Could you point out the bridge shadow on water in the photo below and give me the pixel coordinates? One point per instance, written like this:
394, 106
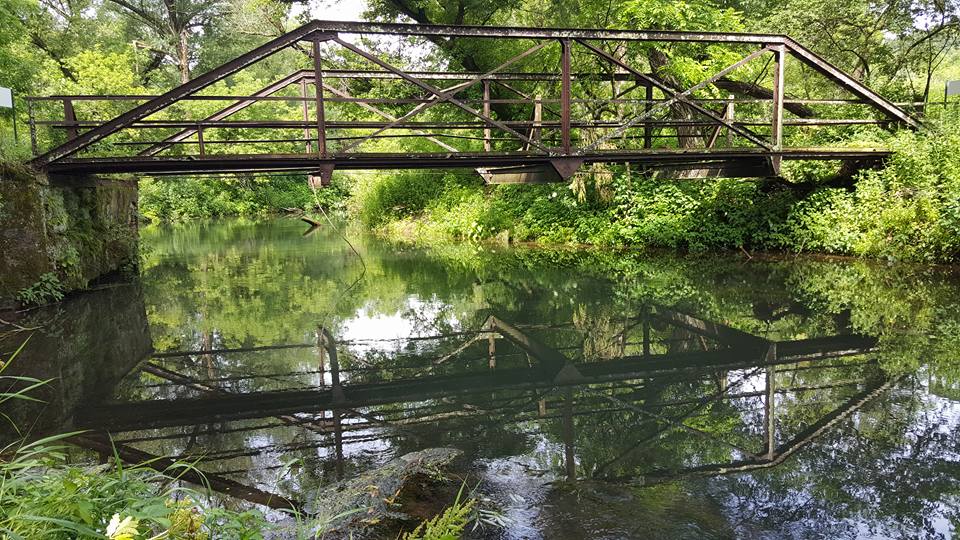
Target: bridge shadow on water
660, 420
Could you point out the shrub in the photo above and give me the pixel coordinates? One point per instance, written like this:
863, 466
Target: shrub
187, 198
47, 289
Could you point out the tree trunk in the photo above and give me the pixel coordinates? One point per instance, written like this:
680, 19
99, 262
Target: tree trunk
183, 56
687, 136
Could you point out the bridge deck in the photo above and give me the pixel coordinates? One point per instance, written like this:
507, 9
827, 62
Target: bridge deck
355, 161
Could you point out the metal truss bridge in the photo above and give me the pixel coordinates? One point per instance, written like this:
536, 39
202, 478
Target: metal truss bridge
561, 98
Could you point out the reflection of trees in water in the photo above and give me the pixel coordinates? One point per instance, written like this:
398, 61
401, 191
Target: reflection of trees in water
893, 471
245, 284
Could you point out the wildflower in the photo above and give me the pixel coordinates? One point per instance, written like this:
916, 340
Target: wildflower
122, 530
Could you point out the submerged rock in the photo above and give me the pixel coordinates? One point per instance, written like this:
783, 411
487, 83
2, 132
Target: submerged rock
380, 499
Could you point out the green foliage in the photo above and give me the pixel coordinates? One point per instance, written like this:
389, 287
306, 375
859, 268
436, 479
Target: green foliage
381, 197
908, 210
43, 495
47, 289
185, 198
448, 525
682, 15
10, 151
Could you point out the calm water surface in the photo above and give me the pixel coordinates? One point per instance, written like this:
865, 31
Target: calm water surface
593, 394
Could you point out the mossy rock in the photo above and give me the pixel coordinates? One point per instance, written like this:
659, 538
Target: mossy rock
383, 499
77, 229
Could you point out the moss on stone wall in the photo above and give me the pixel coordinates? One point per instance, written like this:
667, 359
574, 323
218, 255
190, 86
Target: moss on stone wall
62, 234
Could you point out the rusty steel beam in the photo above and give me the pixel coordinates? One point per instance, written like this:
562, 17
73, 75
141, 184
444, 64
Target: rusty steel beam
318, 94
850, 84
447, 31
70, 118
747, 134
447, 95
166, 99
458, 125
465, 160
776, 121
565, 46
678, 96
226, 112
487, 135
466, 75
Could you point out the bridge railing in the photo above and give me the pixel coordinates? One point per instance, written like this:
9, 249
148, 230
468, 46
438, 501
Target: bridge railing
56, 119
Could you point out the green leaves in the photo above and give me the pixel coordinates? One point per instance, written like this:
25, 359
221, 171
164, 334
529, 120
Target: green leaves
698, 15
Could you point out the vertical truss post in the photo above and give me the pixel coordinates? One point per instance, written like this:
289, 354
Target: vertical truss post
729, 116
565, 95
569, 454
769, 402
537, 118
321, 353
623, 336
487, 142
306, 115
338, 442
327, 342
33, 127
776, 123
203, 151
646, 334
647, 126
318, 86
70, 116
492, 350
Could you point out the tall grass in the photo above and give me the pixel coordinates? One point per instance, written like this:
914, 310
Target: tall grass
43, 495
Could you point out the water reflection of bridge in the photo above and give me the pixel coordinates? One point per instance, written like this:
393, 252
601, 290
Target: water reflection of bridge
502, 374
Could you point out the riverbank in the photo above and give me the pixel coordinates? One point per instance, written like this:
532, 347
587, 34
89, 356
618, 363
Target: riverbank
905, 211
60, 236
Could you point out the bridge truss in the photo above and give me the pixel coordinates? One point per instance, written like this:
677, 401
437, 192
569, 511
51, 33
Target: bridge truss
560, 99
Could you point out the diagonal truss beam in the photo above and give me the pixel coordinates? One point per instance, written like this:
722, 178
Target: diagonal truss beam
160, 102
226, 112
443, 96
850, 84
397, 121
389, 117
747, 134
682, 96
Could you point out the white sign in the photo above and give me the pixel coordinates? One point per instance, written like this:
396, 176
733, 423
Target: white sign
6, 98
953, 88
